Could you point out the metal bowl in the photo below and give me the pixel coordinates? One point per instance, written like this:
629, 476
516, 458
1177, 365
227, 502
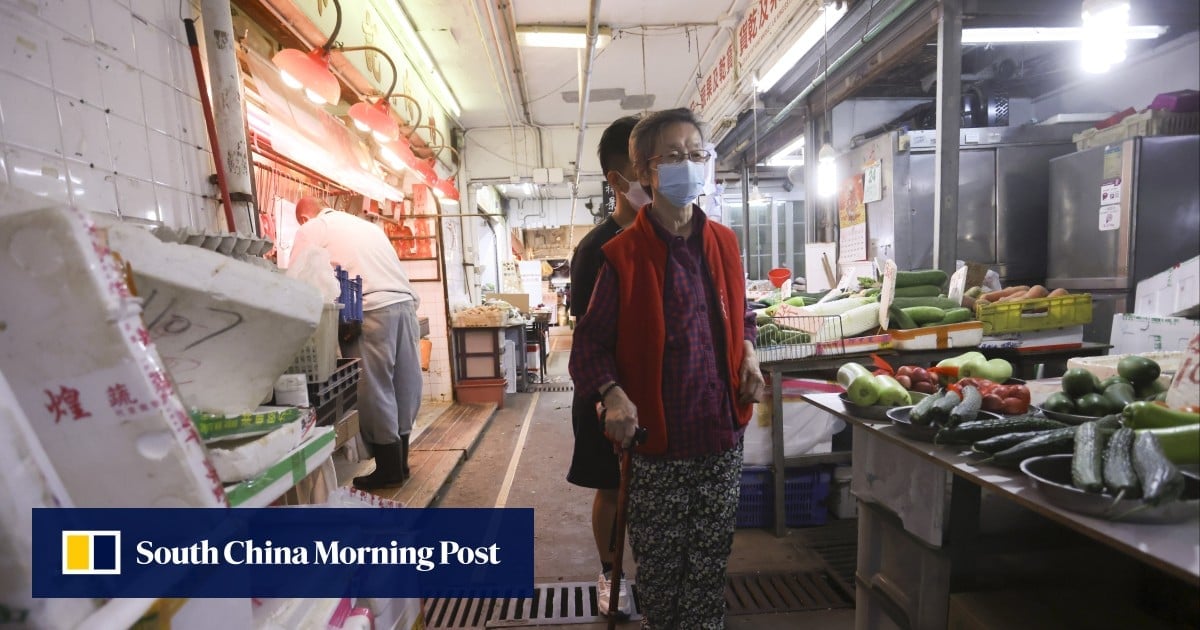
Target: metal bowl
874, 413
923, 433
1068, 418
1051, 475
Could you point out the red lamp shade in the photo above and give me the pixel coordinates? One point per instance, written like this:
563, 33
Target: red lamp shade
309, 72
375, 119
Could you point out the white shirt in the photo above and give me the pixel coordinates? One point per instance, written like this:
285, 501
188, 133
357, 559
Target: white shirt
362, 249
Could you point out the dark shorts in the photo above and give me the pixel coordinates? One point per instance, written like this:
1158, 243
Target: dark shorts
593, 463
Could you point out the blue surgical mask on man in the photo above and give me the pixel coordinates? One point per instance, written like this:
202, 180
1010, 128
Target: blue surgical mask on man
681, 183
635, 194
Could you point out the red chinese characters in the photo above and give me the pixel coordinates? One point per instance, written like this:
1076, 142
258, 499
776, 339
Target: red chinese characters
66, 403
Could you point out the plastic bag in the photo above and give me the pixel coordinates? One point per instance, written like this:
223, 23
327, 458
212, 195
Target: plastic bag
314, 266
806, 430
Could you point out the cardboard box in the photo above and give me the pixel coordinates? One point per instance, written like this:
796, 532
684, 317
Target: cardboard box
345, 429
1140, 333
1172, 293
520, 301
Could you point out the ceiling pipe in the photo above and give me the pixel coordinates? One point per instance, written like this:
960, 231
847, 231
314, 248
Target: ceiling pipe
593, 26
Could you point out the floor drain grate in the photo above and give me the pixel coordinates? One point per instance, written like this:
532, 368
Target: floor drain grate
560, 603
552, 387
837, 545
763, 593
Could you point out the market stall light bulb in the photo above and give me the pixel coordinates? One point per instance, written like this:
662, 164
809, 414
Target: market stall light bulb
1104, 25
826, 171
309, 71
374, 118
314, 97
290, 81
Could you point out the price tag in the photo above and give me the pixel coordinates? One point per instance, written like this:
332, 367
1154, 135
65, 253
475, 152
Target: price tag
887, 289
958, 284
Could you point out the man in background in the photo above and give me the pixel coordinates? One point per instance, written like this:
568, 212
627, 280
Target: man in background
389, 392
594, 463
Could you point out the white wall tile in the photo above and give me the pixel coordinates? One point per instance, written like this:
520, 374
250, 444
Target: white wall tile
190, 126
39, 173
75, 68
121, 87
157, 13
195, 168
154, 50
185, 72
3, 168
112, 27
158, 99
92, 188
166, 158
173, 206
24, 51
129, 148
29, 114
72, 16
84, 134
136, 199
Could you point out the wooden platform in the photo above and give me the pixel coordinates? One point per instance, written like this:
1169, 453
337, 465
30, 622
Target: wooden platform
431, 472
457, 429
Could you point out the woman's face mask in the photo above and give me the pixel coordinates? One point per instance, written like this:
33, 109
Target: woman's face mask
681, 183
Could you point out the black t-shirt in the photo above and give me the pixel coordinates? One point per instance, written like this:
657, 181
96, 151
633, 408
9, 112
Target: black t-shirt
586, 263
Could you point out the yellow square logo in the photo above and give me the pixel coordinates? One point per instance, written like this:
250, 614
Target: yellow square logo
91, 552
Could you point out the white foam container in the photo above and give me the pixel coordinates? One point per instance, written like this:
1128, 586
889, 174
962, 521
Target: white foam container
225, 328
91, 385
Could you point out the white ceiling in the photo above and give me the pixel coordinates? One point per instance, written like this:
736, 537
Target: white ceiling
460, 36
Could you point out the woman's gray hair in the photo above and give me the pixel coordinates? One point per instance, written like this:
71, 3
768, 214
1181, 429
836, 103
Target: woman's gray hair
646, 133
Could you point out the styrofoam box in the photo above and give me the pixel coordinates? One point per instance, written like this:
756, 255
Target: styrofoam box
1139, 333
1106, 366
243, 459
86, 373
1174, 292
225, 328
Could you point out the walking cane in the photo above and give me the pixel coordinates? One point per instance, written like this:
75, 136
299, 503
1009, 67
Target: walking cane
618, 547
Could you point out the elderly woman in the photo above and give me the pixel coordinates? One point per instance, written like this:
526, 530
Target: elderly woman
668, 344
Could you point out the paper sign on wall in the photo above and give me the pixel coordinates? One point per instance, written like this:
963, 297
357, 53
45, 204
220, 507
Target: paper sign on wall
872, 182
1110, 218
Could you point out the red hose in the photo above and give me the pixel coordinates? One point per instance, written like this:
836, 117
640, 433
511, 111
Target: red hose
194, 45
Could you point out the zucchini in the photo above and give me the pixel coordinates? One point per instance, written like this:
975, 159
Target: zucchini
835, 307
956, 316
924, 276
1000, 442
924, 314
918, 291
942, 408
900, 320
976, 430
859, 384
1048, 443
856, 321
1119, 476
1161, 481
937, 302
1180, 444
891, 392
1147, 415
920, 413
968, 409
1087, 464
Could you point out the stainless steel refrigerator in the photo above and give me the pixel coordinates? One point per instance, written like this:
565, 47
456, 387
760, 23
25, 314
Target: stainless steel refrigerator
1118, 215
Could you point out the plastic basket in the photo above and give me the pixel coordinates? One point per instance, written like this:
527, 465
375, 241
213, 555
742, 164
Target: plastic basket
805, 491
1035, 314
1152, 122
351, 297
799, 337
338, 395
755, 497
317, 359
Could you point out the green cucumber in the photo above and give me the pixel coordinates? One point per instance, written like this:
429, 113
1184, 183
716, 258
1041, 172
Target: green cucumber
956, 316
1161, 481
1048, 443
1180, 444
919, 291
900, 320
1147, 415
1119, 476
1000, 442
924, 314
920, 412
976, 430
942, 408
1087, 464
937, 302
935, 277
966, 410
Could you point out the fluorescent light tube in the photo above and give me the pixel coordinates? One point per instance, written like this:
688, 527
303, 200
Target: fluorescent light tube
784, 157
1033, 35
561, 36
809, 38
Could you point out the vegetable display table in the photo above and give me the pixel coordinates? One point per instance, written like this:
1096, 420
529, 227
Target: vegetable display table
938, 507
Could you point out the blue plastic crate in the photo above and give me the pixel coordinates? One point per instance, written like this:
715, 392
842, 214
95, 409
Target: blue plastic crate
351, 297
805, 491
754, 499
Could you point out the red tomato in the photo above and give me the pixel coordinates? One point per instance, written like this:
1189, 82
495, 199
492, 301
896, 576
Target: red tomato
1003, 391
1020, 391
904, 381
925, 387
921, 374
905, 370
992, 402
1014, 406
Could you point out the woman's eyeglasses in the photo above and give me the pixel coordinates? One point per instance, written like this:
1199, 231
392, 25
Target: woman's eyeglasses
699, 156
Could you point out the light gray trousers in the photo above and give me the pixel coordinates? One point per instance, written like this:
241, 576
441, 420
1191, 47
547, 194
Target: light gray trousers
389, 391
